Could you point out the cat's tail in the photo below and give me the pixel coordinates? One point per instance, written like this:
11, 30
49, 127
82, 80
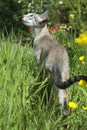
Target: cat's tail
70, 81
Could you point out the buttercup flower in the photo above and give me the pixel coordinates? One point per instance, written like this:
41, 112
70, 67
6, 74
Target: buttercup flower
82, 83
72, 105
81, 58
83, 34
85, 108
78, 40
82, 40
83, 62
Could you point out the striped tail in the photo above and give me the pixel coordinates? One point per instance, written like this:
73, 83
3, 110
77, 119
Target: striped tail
70, 81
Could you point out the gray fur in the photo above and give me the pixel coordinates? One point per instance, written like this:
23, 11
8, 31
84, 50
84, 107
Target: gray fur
54, 55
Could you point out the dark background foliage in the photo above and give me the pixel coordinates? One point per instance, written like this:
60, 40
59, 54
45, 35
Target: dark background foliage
73, 13
11, 12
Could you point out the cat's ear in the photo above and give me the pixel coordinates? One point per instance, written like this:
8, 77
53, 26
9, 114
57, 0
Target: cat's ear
44, 16
41, 18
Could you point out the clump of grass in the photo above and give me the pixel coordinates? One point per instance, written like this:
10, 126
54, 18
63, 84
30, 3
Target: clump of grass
22, 83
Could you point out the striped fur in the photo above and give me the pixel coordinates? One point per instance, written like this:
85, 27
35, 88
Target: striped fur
70, 81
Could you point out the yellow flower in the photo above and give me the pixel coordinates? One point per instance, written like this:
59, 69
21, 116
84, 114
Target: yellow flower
85, 108
83, 34
82, 83
72, 105
81, 58
82, 40
78, 40
83, 62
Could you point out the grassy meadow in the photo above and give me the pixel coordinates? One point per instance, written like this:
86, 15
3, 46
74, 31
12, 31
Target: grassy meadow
23, 87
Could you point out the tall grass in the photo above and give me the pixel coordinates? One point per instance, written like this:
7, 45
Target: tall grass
22, 106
